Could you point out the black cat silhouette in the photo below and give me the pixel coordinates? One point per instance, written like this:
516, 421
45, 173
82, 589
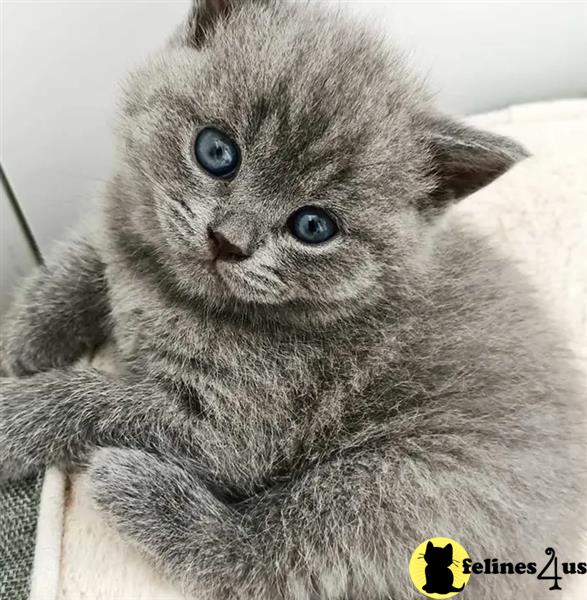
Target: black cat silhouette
439, 578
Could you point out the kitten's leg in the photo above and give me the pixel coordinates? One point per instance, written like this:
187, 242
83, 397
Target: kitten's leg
56, 418
287, 544
345, 529
173, 517
191, 536
60, 314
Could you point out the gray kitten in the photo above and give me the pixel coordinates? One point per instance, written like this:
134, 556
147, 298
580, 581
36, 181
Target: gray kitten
317, 371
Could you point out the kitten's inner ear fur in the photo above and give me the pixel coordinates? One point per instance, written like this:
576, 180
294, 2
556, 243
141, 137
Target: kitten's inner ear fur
465, 159
206, 14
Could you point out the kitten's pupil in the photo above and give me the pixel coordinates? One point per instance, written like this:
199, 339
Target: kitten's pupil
220, 154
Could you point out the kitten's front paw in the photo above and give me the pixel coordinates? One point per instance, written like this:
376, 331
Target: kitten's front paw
123, 485
172, 518
145, 497
21, 447
12, 465
109, 471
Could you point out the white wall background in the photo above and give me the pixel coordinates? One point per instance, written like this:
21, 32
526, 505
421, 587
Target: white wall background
61, 63
16, 256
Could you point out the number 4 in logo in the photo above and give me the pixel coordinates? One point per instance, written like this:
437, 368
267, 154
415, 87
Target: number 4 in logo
556, 577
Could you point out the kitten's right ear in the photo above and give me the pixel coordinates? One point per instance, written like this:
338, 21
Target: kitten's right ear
464, 159
204, 17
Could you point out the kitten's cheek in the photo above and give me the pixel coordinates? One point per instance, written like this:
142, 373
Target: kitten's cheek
343, 285
183, 223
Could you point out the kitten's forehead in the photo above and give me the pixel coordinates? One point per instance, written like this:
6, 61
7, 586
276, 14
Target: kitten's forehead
308, 90
316, 72
306, 62
312, 100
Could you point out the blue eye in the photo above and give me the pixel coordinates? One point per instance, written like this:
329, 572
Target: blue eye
312, 225
216, 152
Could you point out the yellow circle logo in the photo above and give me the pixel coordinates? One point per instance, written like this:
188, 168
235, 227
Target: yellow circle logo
436, 568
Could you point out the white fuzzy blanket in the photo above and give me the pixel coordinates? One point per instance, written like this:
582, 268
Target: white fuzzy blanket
538, 212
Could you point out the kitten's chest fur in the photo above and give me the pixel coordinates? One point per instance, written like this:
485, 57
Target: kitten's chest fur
259, 395
225, 361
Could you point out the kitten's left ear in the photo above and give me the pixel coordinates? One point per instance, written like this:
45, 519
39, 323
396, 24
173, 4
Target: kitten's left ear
205, 15
464, 159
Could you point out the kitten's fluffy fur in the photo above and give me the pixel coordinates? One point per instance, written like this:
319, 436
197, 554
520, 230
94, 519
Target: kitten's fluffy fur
294, 425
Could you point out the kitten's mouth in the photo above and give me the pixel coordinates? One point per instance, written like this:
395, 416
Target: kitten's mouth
217, 269
214, 266
245, 285
211, 268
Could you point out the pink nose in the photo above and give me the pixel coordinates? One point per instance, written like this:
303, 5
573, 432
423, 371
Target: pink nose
224, 249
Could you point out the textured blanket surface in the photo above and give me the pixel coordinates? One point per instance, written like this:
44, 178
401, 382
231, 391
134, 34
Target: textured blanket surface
537, 212
18, 521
